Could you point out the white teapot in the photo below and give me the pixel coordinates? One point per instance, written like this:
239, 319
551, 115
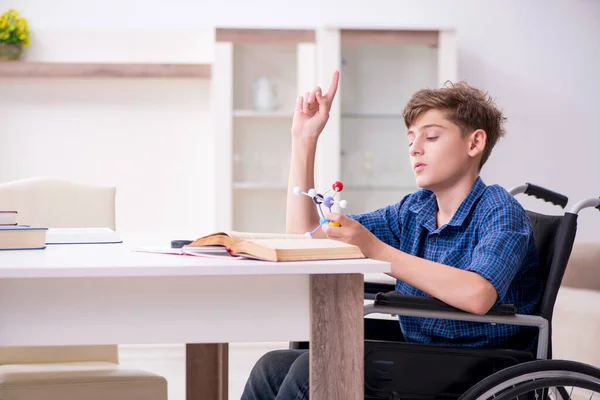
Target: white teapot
265, 94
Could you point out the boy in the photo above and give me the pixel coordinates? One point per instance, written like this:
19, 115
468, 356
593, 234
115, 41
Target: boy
456, 239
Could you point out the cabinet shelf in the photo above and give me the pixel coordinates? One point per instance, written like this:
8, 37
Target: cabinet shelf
261, 114
379, 188
372, 116
258, 185
18, 69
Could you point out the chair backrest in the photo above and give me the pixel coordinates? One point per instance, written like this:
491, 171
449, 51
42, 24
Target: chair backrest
56, 203
554, 237
545, 230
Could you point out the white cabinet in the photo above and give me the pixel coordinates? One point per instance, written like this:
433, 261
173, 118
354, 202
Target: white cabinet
257, 75
364, 144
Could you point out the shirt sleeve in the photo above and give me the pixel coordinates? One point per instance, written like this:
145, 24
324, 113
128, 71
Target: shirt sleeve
502, 247
384, 223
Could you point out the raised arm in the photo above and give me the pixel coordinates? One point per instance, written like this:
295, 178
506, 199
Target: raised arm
310, 117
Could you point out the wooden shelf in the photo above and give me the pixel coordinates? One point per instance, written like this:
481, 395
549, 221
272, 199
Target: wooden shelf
385, 36
279, 36
22, 69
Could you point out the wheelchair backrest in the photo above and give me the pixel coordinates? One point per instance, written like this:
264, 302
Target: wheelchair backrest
545, 230
554, 236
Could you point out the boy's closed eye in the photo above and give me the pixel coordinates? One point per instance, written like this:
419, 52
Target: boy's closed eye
429, 138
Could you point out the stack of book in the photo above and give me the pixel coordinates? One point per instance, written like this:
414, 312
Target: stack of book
19, 237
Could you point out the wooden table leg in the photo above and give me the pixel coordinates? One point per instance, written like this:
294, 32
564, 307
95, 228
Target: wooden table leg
207, 371
337, 337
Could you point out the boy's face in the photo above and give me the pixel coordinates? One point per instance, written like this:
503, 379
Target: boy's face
439, 153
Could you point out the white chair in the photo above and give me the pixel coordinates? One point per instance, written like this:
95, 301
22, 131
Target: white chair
56, 203
68, 372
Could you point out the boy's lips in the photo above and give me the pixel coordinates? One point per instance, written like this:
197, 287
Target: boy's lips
419, 167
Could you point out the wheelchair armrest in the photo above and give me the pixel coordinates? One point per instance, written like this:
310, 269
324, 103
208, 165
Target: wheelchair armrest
374, 288
395, 299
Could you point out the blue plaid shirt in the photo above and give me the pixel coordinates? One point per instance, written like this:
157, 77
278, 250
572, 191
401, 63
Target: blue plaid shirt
489, 234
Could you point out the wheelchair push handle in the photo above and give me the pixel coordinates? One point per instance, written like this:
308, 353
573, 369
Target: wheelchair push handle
547, 195
541, 193
586, 203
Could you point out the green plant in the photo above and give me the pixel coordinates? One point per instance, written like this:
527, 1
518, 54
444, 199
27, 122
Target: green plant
14, 29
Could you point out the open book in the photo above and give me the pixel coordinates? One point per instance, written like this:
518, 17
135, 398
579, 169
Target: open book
278, 247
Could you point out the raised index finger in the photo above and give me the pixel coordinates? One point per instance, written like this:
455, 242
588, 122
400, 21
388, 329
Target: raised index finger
333, 87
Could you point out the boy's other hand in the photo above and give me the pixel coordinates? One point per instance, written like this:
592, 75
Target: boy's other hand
312, 110
352, 232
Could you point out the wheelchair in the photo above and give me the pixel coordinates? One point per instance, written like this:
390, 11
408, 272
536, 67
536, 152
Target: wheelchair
395, 369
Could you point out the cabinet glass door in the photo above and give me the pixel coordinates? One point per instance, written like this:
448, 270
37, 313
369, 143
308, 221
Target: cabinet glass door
378, 78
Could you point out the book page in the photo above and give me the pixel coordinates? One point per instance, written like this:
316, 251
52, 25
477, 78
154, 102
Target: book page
300, 244
239, 236
230, 237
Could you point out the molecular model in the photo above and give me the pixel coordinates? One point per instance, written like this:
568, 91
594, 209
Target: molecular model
320, 199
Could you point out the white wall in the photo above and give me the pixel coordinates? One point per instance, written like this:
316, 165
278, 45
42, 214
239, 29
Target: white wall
151, 138
539, 59
146, 138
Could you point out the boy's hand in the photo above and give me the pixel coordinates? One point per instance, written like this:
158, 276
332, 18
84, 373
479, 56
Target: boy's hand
312, 111
353, 232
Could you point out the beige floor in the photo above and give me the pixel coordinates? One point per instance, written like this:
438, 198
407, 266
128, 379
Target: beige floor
169, 361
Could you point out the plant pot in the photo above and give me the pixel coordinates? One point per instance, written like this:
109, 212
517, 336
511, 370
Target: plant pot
10, 51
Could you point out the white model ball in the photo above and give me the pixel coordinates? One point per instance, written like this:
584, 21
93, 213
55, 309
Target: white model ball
307, 234
343, 203
297, 190
312, 192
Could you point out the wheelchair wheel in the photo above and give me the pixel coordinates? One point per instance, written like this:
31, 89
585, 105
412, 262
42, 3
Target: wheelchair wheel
559, 379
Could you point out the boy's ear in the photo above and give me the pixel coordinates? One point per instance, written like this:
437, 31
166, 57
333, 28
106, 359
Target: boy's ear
477, 142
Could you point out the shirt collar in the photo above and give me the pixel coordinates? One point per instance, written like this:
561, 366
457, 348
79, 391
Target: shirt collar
467, 205
427, 209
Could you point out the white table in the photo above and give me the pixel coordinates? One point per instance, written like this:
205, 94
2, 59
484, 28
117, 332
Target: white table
108, 294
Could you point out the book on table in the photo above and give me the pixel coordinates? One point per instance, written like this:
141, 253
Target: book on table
8, 217
22, 237
276, 246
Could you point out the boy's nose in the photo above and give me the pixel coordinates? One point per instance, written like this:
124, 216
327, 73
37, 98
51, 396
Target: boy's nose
416, 148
